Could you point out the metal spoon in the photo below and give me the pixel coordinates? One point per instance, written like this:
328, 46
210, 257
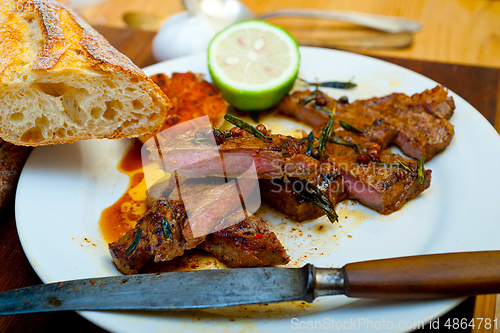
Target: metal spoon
222, 13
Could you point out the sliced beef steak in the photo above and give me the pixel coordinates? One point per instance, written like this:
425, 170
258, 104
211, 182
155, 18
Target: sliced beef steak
383, 185
418, 124
300, 106
380, 183
280, 195
274, 157
434, 101
422, 129
160, 235
249, 243
167, 229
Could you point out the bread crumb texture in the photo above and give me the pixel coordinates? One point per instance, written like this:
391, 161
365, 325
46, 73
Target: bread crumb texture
61, 81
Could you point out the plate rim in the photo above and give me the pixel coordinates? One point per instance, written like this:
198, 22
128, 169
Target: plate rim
89, 315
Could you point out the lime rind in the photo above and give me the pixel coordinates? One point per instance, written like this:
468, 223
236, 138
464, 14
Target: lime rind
254, 95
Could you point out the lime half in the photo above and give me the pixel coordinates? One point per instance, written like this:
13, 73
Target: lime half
254, 64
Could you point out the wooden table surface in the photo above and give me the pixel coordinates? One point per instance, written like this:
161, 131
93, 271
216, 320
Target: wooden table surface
454, 31
480, 86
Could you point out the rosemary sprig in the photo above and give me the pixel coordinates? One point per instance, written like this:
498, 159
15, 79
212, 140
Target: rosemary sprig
136, 241
404, 166
307, 99
244, 126
323, 139
331, 84
309, 144
167, 229
325, 110
420, 170
339, 141
350, 127
319, 198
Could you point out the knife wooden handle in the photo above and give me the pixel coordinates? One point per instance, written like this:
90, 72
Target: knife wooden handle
425, 276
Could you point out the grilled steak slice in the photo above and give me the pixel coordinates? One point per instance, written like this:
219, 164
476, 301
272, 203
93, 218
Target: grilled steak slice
295, 106
371, 122
249, 243
417, 124
165, 232
383, 185
151, 240
374, 126
434, 101
279, 194
421, 120
284, 194
274, 157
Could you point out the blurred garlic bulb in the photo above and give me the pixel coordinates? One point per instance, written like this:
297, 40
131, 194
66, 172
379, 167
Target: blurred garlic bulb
182, 35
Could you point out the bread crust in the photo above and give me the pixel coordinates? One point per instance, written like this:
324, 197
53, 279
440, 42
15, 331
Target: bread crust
69, 44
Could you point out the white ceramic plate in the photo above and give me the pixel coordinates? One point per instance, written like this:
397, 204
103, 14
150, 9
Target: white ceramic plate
64, 188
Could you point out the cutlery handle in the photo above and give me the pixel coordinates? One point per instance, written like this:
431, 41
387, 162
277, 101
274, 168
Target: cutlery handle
389, 24
425, 276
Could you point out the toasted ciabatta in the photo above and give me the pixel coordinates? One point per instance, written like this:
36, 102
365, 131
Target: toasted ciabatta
61, 81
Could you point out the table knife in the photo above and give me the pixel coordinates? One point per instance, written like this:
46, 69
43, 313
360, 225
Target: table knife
414, 277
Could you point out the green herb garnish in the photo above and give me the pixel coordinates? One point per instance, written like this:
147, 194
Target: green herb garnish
339, 141
309, 144
404, 166
420, 171
307, 99
326, 110
323, 139
350, 127
136, 241
319, 198
244, 126
167, 230
331, 84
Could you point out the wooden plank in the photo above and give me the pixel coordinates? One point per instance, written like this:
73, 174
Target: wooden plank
133, 43
484, 313
497, 316
455, 31
469, 82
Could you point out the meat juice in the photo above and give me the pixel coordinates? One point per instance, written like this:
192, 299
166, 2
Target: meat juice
122, 216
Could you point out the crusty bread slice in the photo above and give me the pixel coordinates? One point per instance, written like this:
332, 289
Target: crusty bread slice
61, 81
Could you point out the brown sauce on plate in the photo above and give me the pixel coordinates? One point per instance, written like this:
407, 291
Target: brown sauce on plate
122, 216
